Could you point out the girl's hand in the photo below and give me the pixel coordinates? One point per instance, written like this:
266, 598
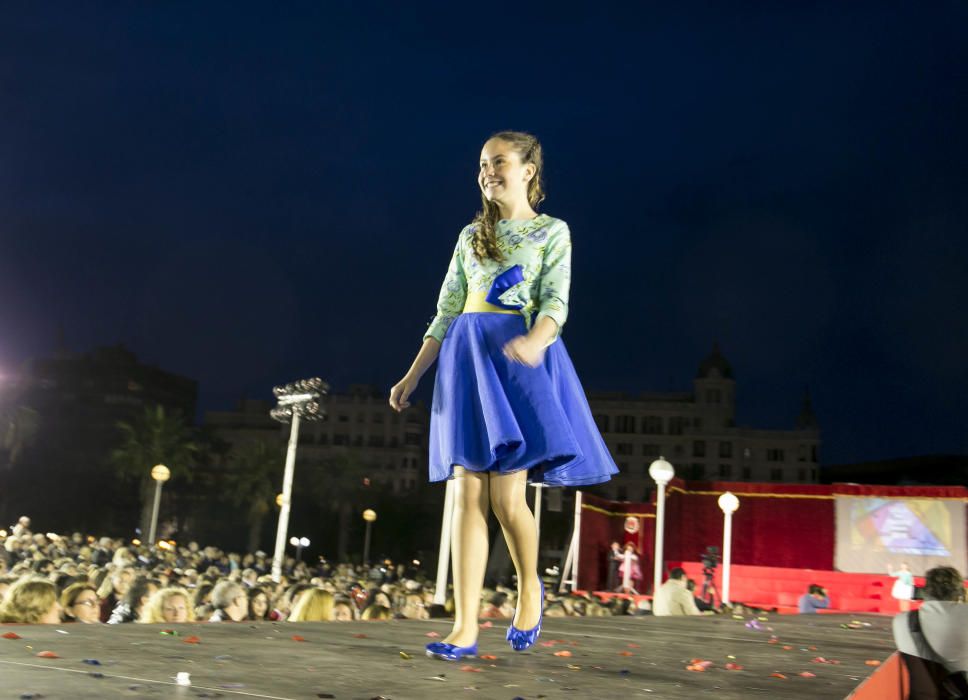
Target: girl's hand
524, 350
400, 393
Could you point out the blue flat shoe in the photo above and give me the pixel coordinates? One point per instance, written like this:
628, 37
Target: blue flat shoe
523, 639
450, 652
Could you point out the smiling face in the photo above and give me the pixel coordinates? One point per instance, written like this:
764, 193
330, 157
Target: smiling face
502, 177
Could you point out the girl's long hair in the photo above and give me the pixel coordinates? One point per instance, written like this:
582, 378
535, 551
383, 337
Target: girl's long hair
485, 233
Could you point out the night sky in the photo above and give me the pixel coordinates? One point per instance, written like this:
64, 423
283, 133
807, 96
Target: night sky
249, 193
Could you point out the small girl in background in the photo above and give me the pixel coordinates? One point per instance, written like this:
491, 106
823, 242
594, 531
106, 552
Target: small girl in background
903, 589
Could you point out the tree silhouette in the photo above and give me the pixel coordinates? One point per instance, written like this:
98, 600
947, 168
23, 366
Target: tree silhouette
155, 438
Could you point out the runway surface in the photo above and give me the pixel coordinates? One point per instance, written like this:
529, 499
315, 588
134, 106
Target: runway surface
575, 658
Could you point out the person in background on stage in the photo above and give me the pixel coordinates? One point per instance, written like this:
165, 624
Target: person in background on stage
700, 603
508, 407
813, 600
937, 634
673, 598
615, 558
903, 589
630, 562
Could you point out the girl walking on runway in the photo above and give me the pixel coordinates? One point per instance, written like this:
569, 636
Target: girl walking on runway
508, 407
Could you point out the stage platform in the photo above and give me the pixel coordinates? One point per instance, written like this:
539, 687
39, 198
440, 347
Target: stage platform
576, 657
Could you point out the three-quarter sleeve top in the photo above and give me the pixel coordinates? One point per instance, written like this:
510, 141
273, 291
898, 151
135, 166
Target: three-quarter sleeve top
540, 246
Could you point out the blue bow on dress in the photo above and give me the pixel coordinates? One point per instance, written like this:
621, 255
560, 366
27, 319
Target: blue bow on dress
503, 293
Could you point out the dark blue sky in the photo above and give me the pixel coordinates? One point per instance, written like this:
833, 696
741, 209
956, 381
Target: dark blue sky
250, 193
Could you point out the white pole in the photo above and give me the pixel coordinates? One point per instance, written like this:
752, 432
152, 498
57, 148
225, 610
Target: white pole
659, 539
443, 558
570, 572
154, 515
286, 500
627, 576
727, 553
537, 511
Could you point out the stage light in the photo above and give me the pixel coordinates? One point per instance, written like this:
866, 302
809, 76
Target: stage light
296, 400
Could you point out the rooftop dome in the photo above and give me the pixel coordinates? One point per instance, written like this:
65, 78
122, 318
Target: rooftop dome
715, 361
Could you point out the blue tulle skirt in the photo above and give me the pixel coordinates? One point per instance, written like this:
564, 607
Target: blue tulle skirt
491, 414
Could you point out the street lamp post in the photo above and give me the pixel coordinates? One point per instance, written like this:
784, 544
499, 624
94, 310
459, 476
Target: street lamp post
662, 472
299, 543
369, 515
296, 400
728, 503
160, 473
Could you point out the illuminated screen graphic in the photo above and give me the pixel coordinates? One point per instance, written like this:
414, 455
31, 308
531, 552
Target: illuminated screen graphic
873, 533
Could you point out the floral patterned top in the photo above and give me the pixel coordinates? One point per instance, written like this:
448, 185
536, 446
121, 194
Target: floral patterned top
540, 247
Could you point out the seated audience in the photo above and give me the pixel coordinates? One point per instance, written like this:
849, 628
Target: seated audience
230, 602
314, 605
170, 604
81, 604
673, 598
31, 600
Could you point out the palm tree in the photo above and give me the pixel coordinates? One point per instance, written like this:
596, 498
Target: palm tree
256, 468
155, 438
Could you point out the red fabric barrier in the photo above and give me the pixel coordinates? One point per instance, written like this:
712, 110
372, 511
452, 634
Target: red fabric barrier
889, 682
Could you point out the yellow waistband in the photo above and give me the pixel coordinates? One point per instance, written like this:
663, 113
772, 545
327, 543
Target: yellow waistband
477, 303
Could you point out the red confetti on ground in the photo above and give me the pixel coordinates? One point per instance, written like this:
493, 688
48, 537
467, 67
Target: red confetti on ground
471, 669
563, 652
872, 662
812, 648
733, 667
777, 675
787, 648
298, 638
47, 655
487, 625
634, 646
696, 667
360, 636
821, 660
807, 674
773, 640
625, 653
12, 635
488, 657
433, 635
550, 643
192, 640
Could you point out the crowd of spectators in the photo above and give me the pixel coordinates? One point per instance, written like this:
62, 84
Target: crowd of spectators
55, 579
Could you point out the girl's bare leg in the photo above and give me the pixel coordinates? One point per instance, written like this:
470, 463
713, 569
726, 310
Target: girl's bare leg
469, 552
510, 505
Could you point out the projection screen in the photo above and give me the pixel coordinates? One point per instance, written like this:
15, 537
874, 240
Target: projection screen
873, 533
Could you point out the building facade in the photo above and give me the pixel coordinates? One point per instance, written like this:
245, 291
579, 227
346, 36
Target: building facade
359, 426
697, 433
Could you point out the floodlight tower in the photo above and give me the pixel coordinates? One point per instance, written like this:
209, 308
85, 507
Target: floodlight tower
297, 400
